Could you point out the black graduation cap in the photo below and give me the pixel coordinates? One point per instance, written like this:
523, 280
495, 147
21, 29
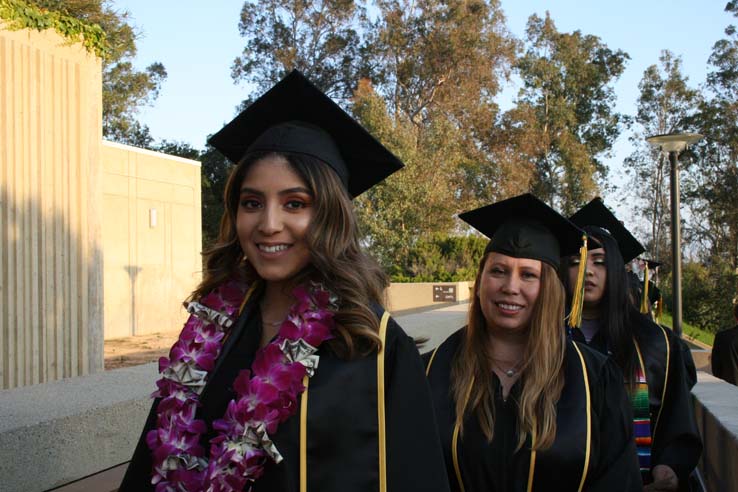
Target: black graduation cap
525, 227
596, 214
653, 263
294, 116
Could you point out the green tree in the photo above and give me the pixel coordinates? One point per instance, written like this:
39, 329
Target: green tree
710, 185
319, 38
215, 172
706, 301
125, 89
442, 65
412, 203
665, 105
563, 122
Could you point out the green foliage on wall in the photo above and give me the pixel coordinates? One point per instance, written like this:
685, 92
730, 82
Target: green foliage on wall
20, 15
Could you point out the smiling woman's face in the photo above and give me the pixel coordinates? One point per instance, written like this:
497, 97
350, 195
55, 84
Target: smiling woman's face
508, 290
274, 213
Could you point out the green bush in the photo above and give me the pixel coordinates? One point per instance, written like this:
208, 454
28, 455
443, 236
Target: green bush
707, 295
441, 258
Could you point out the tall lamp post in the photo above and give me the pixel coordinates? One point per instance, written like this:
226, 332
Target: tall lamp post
672, 144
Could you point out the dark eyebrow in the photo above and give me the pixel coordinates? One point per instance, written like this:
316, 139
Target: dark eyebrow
288, 191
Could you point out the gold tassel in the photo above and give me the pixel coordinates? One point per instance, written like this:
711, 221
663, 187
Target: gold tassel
575, 317
659, 309
645, 308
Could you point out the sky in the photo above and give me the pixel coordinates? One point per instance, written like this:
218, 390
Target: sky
197, 42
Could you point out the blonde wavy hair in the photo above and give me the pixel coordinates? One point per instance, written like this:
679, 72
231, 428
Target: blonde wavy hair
542, 375
336, 258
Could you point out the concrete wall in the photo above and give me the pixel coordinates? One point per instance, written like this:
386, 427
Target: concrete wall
50, 238
716, 408
65, 430
152, 238
408, 296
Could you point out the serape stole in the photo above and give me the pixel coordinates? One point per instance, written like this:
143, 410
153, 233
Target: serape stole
641, 416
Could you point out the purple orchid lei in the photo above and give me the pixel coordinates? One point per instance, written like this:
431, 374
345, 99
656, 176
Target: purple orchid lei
265, 396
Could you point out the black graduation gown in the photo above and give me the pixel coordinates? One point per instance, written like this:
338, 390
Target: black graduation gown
497, 467
676, 439
342, 422
725, 355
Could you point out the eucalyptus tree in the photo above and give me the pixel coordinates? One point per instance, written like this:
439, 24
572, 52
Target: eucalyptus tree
666, 104
323, 39
563, 122
711, 185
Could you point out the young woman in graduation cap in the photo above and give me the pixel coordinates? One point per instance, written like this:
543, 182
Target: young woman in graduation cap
650, 356
289, 376
519, 406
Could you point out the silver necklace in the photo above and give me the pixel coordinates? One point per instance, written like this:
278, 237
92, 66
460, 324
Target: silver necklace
511, 372
269, 323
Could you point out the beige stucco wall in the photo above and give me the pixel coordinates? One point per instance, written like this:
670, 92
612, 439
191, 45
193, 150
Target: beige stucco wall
149, 267
50, 237
405, 296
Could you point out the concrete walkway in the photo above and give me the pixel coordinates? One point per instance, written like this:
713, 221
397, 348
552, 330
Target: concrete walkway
435, 324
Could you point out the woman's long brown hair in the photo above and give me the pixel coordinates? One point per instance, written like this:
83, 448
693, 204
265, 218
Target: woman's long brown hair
337, 260
541, 375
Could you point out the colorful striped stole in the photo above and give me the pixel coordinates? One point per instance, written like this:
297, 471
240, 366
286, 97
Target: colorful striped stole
641, 417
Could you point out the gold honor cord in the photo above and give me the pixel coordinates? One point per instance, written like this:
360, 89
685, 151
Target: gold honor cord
380, 406
248, 295
532, 468
433, 356
303, 434
455, 438
666, 378
644, 299
380, 415
589, 419
640, 358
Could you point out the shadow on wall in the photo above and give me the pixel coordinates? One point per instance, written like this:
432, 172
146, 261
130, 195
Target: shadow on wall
133, 272
51, 321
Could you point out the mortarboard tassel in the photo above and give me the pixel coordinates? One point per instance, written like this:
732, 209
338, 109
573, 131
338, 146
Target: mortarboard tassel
575, 317
659, 308
644, 298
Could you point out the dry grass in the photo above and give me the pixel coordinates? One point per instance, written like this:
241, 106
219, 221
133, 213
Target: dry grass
142, 349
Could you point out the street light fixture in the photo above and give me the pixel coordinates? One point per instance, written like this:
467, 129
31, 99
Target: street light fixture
673, 144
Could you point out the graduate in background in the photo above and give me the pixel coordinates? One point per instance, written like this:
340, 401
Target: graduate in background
650, 356
289, 375
520, 407
725, 352
651, 302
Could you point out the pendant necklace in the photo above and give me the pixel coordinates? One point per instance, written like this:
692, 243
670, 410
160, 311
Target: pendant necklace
511, 372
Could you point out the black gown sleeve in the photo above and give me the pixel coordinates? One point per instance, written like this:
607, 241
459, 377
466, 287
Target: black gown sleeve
690, 370
676, 441
414, 455
716, 358
616, 468
725, 355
